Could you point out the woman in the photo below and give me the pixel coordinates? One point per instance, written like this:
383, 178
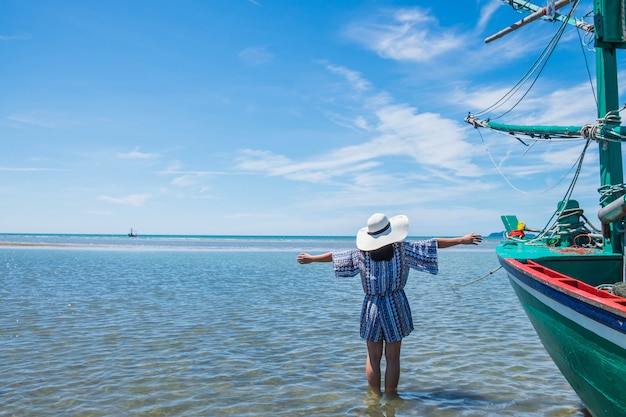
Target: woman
383, 258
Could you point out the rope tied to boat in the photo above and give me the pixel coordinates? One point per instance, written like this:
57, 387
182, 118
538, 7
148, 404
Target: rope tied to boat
588, 131
455, 286
612, 117
609, 193
597, 131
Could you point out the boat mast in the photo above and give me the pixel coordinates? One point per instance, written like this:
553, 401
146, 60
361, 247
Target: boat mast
609, 23
610, 34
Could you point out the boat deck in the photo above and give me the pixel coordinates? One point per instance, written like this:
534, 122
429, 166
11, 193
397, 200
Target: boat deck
589, 265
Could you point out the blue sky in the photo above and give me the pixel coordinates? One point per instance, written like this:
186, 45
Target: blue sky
275, 117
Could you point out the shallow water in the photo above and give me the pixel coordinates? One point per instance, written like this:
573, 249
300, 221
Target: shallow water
237, 327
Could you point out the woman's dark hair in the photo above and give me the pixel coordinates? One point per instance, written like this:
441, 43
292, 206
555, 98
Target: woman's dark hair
382, 254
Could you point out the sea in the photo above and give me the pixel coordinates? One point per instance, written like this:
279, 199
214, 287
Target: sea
104, 325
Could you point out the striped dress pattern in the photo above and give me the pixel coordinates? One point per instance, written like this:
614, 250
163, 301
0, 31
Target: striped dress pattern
386, 314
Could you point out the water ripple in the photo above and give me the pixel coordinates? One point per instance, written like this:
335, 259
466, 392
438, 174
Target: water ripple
196, 333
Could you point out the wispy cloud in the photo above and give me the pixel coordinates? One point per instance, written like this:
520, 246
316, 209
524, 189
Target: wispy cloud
190, 179
9, 38
410, 34
318, 169
354, 78
255, 56
195, 180
136, 200
38, 119
400, 131
486, 11
415, 35
137, 154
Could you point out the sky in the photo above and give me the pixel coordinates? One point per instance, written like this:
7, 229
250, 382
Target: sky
277, 117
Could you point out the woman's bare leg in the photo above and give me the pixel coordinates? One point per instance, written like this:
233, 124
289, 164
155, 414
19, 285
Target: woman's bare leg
392, 373
372, 366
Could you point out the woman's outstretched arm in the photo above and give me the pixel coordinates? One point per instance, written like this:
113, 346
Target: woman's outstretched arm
470, 239
305, 258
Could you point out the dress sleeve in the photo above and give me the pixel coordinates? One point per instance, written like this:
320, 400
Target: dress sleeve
422, 255
347, 263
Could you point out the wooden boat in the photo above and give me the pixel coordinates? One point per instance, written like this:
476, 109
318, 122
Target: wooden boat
570, 277
132, 233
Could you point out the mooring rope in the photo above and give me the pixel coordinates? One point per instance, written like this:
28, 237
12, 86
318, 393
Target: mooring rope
477, 279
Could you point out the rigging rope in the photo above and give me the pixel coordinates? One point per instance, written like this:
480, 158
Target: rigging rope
603, 129
593, 91
578, 163
550, 225
543, 58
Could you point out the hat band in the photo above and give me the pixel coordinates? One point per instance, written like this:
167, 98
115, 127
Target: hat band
383, 230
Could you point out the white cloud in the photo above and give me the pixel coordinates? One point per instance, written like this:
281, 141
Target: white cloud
136, 154
136, 200
361, 123
399, 131
549, 107
190, 179
427, 138
355, 79
412, 35
486, 11
186, 179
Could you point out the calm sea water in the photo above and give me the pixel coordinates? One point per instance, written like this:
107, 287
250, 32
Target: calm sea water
212, 326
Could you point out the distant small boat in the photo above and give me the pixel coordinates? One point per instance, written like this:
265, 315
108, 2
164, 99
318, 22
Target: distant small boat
132, 233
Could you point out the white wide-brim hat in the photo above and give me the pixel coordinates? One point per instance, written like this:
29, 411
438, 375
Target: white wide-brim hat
381, 231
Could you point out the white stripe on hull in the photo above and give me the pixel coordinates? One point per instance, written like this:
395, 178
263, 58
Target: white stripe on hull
593, 326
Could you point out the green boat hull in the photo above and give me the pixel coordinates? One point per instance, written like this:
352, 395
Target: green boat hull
585, 340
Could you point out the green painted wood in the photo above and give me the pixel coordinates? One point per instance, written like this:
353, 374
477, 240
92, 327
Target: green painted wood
593, 366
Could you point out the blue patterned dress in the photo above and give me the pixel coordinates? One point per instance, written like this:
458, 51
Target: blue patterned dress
386, 314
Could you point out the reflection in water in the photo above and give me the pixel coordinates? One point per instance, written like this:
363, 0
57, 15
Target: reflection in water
447, 402
449, 398
382, 405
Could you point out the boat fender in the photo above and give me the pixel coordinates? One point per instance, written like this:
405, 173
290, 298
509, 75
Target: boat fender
613, 211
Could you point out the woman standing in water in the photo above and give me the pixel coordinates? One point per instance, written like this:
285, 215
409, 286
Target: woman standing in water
383, 258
